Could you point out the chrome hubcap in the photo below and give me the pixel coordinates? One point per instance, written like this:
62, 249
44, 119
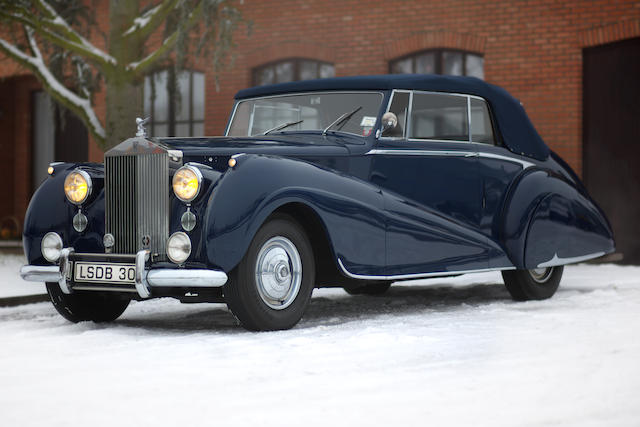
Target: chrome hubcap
278, 272
541, 275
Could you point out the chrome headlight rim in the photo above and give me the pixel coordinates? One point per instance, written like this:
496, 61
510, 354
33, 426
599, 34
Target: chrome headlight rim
56, 245
198, 175
186, 241
88, 180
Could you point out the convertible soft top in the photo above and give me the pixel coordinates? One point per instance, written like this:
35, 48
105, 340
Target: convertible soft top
514, 125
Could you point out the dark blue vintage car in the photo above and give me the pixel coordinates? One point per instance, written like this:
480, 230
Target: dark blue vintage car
354, 182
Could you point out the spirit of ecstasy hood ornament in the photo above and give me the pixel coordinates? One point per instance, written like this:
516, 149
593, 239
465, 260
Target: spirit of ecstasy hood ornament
141, 123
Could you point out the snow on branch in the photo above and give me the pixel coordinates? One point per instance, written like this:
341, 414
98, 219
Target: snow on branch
144, 25
55, 29
140, 67
79, 105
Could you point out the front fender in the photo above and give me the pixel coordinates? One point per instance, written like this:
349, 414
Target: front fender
49, 210
351, 210
547, 216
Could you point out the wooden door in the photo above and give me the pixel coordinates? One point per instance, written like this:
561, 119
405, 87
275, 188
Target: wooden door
611, 132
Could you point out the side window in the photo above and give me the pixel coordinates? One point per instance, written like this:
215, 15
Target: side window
400, 107
441, 117
481, 129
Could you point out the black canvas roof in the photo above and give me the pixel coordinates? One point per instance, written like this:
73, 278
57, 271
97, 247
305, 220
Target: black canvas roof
512, 121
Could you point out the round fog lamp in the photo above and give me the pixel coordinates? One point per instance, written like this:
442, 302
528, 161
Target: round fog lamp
77, 186
178, 247
51, 246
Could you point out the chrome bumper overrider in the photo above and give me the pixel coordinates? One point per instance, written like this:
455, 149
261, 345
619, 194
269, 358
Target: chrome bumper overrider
146, 279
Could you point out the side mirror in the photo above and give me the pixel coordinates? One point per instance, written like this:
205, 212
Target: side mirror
389, 122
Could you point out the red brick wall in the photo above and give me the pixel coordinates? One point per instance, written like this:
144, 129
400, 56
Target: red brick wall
532, 48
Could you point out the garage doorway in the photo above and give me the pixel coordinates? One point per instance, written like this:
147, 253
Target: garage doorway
611, 132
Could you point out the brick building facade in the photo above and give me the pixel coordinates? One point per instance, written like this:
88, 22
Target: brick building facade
533, 48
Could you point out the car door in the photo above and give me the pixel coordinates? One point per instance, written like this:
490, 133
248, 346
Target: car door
427, 169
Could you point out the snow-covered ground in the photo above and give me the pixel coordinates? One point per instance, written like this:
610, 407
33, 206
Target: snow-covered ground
440, 351
11, 285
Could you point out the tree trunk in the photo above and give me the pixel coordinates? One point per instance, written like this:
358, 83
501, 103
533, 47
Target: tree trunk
124, 97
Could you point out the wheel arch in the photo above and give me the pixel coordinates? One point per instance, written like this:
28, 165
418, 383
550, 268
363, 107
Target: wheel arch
316, 231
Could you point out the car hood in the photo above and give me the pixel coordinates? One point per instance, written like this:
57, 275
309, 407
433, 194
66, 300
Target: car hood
299, 144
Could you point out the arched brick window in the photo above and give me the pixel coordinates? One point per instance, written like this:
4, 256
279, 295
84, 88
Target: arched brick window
440, 61
292, 69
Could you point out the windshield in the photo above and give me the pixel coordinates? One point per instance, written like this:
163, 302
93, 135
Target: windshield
307, 112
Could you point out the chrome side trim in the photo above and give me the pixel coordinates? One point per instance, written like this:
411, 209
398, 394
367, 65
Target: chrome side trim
417, 275
447, 153
65, 270
141, 274
182, 278
40, 273
525, 164
450, 153
556, 260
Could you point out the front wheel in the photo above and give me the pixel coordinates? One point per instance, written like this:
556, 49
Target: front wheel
534, 284
271, 287
85, 306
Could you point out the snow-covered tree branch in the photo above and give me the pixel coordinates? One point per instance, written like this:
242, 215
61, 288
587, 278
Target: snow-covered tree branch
79, 105
60, 49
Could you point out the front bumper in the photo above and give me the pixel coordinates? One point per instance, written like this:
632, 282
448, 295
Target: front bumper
146, 278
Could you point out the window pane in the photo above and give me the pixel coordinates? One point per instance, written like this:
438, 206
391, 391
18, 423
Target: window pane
308, 70
481, 130
182, 96
399, 106
198, 129
452, 63
439, 117
403, 66
147, 96
161, 103
241, 120
426, 63
326, 71
475, 66
198, 96
284, 72
182, 129
161, 130
265, 76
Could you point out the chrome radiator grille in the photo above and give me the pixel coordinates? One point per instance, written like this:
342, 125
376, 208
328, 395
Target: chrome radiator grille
137, 201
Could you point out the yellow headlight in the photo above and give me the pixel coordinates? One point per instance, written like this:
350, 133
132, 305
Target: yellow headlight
77, 186
186, 183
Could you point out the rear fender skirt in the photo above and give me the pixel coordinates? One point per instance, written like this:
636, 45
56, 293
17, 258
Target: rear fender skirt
545, 216
566, 230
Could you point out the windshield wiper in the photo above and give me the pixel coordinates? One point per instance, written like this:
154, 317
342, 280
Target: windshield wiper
342, 118
282, 126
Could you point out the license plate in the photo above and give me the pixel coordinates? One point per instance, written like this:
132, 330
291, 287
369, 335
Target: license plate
104, 272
